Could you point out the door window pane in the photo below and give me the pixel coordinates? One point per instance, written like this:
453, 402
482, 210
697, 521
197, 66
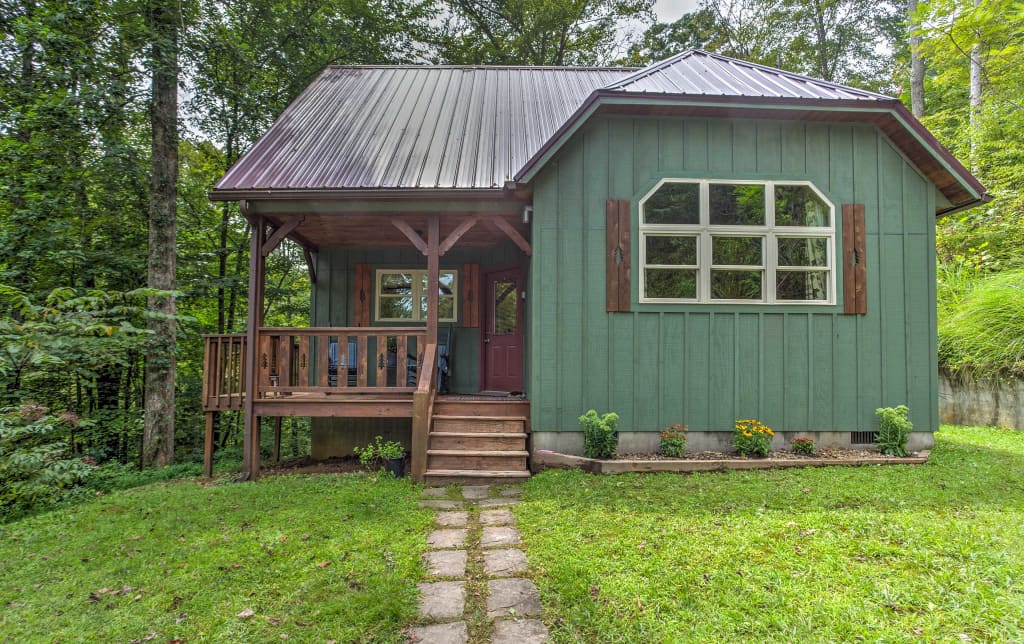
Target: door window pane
678, 251
670, 283
674, 203
736, 205
506, 303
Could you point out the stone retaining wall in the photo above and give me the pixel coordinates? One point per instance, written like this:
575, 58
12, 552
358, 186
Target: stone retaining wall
966, 400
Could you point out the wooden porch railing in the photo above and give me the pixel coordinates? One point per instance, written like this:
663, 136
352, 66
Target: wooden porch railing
330, 360
224, 372
423, 411
317, 360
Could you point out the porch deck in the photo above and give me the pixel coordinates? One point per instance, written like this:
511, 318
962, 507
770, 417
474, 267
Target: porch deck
360, 372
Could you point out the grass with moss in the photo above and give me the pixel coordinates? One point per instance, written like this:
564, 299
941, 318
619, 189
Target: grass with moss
313, 558
881, 553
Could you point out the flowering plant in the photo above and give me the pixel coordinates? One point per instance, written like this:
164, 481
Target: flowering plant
752, 437
673, 441
803, 446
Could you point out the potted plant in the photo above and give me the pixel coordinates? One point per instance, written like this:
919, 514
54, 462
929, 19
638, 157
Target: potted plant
387, 454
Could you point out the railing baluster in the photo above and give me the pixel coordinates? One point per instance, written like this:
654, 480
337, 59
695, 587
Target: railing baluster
401, 361
302, 362
382, 361
361, 346
284, 361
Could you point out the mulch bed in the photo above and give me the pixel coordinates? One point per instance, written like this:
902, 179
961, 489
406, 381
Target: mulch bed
832, 453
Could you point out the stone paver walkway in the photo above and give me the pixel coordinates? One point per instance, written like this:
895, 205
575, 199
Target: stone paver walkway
511, 598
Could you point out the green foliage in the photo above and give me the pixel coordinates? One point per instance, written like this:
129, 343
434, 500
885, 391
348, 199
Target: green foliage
802, 445
893, 429
379, 451
118, 476
600, 438
825, 554
673, 441
536, 32
836, 41
981, 324
751, 437
212, 551
36, 470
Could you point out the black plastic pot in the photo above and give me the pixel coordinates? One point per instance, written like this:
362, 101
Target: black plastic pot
396, 466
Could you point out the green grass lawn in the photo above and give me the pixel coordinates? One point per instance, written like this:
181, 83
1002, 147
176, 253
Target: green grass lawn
879, 553
314, 558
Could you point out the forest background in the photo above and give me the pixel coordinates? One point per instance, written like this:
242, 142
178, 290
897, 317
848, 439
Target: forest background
118, 116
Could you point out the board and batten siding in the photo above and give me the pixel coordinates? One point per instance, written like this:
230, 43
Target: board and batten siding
795, 367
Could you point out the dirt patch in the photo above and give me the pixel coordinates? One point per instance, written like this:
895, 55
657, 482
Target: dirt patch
306, 465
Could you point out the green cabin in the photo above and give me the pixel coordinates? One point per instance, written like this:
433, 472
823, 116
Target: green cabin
494, 250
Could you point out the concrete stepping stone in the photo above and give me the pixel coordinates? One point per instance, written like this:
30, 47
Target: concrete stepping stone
446, 538
437, 504
512, 597
519, 631
442, 599
435, 491
497, 517
505, 563
454, 633
499, 537
490, 503
476, 491
452, 519
446, 563
512, 491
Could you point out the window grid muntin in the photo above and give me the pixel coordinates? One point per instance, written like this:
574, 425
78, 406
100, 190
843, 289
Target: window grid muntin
704, 230
418, 276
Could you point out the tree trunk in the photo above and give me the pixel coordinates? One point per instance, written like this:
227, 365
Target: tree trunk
916, 63
158, 432
976, 72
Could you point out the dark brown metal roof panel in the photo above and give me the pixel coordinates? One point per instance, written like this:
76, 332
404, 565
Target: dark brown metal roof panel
414, 127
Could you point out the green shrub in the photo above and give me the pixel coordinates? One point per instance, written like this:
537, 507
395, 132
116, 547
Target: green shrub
751, 437
893, 430
673, 441
803, 446
36, 470
117, 476
600, 440
379, 451
981, 327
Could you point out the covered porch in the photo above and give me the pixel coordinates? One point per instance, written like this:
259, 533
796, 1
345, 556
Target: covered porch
354, 361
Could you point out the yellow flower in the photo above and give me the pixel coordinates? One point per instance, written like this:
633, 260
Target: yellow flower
770, 432
747, 434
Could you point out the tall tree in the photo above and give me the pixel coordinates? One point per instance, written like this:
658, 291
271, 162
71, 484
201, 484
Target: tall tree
158, 433
916, 61
536, 32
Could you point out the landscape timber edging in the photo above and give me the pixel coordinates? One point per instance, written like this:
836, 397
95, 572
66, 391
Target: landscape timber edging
546, 460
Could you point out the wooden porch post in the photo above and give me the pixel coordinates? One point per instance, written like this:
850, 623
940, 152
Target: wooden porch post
277, 439
208, 446
250, 437
433, 276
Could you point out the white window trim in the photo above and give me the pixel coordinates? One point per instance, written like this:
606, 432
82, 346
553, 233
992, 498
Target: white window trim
703, 231
417, 293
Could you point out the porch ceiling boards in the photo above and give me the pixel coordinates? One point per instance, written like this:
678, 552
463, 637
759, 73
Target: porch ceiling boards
376, 230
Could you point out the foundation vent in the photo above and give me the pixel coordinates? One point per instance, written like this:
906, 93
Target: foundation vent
863, 438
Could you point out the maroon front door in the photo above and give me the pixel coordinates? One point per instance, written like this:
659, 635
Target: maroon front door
503, 331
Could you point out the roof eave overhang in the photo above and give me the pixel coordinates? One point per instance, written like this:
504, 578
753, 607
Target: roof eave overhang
330, 194
600, 99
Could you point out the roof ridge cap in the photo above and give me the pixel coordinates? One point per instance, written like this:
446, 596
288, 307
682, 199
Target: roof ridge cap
414, 66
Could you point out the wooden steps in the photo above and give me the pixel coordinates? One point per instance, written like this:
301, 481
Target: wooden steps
478, 441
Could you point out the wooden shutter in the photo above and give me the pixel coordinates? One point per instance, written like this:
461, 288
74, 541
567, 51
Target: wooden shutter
617, 283
855, 268
469, 287
362, 294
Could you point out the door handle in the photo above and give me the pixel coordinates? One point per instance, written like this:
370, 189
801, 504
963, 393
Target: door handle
486, 340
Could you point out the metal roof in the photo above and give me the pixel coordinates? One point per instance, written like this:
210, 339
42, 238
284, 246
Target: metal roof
698, 73
414, 127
